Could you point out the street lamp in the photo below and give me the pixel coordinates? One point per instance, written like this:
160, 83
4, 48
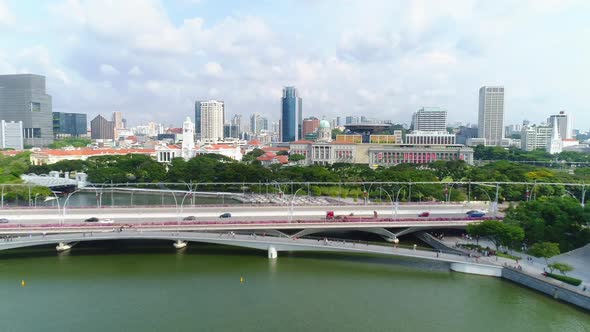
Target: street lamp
391, 199
495, 202
397, 200
292, 203
65, 204
35, 200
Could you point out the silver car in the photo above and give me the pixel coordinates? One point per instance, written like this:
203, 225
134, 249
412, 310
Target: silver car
3, 221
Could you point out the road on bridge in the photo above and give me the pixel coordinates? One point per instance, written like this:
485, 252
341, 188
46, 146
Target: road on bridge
245, 213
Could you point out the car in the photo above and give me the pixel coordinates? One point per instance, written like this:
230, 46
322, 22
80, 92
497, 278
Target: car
106, 221
475, 214
3, 220
189, 218
225, 215
424, 214
92, 219
330, 215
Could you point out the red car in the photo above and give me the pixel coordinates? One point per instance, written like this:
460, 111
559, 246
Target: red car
330, 215
424, 214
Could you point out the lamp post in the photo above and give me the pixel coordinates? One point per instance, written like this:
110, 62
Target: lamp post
292, 203
495, 203
65, 204
397, 200
391, 199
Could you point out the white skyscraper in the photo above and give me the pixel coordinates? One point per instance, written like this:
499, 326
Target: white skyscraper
212, 120
564, 124
491, 114
188, 139
555, 144
430, 119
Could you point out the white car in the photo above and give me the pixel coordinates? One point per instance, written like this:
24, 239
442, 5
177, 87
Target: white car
106, 221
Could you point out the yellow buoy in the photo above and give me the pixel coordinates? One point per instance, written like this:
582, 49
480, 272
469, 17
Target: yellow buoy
241, 280
22, 283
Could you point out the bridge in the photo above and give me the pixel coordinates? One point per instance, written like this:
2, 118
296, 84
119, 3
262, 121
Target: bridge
271, 244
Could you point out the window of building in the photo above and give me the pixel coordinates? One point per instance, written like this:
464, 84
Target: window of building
35, 107
36, 132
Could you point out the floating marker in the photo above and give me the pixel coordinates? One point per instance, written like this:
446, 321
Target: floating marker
241, 280
22, 283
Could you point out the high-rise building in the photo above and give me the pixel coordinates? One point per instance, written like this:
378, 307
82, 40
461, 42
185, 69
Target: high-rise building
101, 128
117, 119
236, 122
535, 137
231, 131
291, 115
491, 114
11, 135
198, 120
23, 98
564, 124
310, 125
430, 119
351, 119
188, 139
555, 144
69, 124
258, 123
212, 119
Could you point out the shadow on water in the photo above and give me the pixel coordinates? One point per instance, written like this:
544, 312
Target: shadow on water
430, 266
164, 247
129, 247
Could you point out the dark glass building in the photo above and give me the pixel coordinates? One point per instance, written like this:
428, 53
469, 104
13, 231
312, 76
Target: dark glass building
291, 115
69, 124
198, 120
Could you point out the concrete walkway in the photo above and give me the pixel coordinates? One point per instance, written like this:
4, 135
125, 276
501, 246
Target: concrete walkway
579, 259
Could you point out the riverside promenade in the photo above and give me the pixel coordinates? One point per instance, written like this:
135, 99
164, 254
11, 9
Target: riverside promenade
529, 270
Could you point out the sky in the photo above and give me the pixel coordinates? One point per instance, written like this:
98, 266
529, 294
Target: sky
383, 59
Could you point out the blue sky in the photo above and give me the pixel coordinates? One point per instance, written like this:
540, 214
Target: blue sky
379, 58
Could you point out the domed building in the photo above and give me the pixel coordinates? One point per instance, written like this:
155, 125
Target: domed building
324, 132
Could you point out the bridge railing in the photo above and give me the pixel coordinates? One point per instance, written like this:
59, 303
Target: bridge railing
172, 224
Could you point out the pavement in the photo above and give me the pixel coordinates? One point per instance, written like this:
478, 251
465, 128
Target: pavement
579, 259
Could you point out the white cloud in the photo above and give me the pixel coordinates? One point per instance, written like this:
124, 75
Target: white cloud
381, 58
213, 68
108, 70
135, 71
6, 17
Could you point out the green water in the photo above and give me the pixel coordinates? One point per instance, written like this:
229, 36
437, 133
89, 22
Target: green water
122, 286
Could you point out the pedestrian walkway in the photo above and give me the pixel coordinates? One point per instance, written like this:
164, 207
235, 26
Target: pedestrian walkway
579, 259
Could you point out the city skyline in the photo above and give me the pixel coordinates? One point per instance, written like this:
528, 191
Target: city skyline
434, 55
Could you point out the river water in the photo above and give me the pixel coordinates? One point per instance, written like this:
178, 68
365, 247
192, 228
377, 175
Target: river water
149, 286
107, 199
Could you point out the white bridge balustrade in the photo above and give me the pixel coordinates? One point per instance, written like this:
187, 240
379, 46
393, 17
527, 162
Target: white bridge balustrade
54, 180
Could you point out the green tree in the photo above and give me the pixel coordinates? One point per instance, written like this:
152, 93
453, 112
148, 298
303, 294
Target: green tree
70, 141
252, 155
545, 250
563, 268
497, 232
295, 157
336, 132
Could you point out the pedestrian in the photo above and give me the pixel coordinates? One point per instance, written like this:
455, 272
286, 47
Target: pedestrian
584, 289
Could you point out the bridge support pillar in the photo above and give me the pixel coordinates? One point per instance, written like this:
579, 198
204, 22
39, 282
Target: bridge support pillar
392, 239
63, 246
272, 253
179, 244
